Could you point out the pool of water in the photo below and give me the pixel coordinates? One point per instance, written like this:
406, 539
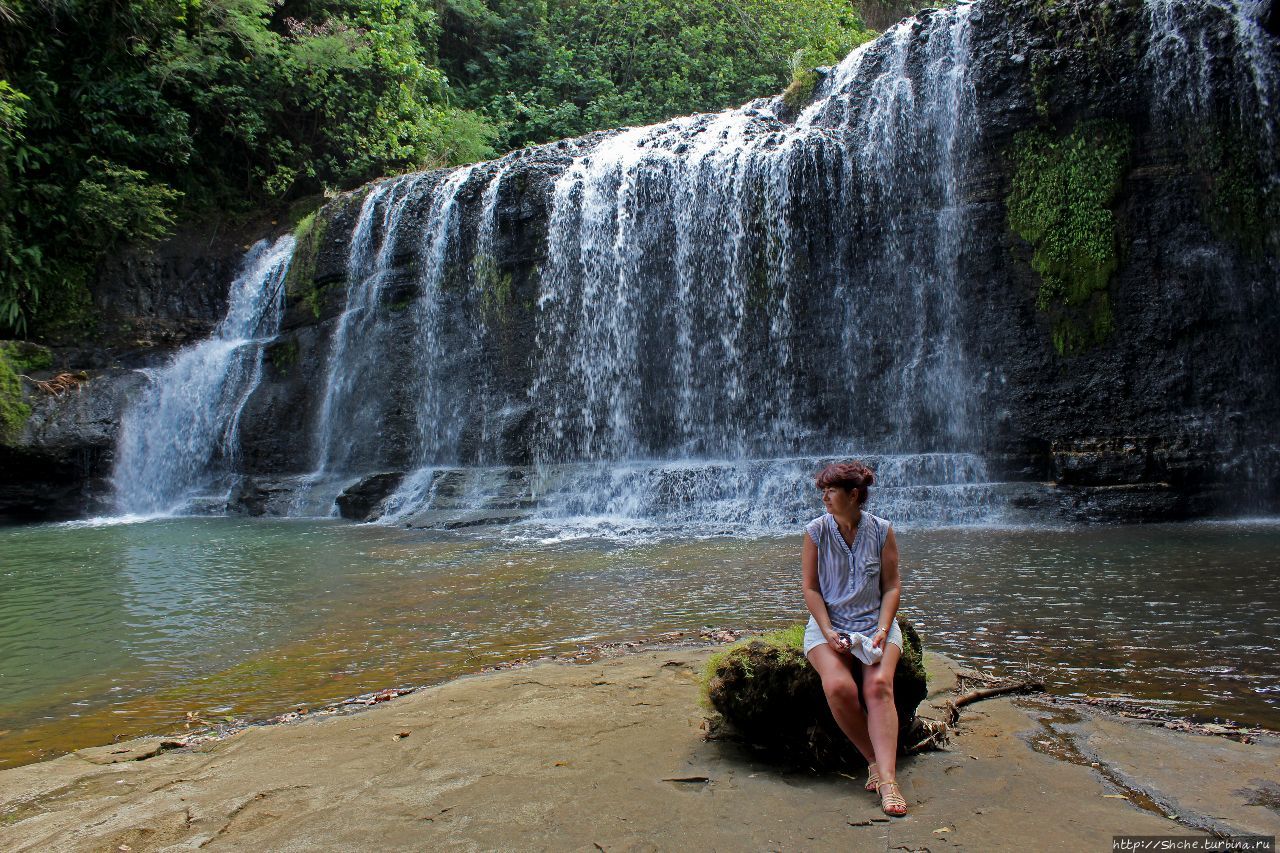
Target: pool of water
115, 630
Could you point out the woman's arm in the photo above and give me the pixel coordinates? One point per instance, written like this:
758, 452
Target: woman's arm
890, 587
813, 593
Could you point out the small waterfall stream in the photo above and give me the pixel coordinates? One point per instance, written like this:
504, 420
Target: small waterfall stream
181, 440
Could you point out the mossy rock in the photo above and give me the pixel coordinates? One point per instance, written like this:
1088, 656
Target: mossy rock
765, 691
13, 409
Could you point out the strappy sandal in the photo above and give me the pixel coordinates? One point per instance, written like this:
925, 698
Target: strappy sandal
873, 778
892, 803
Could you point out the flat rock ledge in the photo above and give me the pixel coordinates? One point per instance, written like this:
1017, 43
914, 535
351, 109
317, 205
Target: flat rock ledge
612, 755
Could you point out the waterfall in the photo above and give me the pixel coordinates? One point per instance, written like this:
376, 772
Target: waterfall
354, 358
441, 394
678, 253
678, 323
667, 323
1200, 49
178, 439
674, 310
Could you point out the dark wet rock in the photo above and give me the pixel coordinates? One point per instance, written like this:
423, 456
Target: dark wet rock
255, 497
1269, 16
435, 519
58, 468
364, 501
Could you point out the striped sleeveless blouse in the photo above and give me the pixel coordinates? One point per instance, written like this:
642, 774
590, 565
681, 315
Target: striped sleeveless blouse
850, 577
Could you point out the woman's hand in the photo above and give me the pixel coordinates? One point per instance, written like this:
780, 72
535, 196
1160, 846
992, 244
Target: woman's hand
878, 638
835, 641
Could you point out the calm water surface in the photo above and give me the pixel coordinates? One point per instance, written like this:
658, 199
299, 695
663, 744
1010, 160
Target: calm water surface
122, 629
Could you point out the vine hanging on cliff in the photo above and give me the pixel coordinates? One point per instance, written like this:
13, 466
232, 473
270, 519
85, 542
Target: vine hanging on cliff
1060, 202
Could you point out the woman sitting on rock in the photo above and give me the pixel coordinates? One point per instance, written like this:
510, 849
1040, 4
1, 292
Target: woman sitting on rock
850, 563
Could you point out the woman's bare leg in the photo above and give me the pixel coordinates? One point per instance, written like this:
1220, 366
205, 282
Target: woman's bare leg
882, 713
836, 672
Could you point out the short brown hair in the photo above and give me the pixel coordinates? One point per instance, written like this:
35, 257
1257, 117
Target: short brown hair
847, 475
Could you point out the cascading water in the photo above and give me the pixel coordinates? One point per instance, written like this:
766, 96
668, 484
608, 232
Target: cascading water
441, 393
181, 438
354, 354
669, 322
677, 255
1201, 49
721, 302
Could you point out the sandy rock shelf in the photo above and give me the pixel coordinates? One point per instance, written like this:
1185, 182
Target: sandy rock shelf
611, 756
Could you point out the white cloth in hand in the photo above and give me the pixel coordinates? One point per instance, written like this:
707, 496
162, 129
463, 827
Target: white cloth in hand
861, 647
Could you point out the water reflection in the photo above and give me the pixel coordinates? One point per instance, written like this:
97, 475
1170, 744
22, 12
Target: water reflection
121, 630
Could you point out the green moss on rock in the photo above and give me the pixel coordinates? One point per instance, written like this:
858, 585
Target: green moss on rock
800, 90
27, 357
765, 691
1060, 201
283, 355
300, 283
13, 410
494, 286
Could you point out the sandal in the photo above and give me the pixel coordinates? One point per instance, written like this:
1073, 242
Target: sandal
873, 778
892, 803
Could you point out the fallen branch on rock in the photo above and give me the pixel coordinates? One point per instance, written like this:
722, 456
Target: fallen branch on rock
60, 384
953, 706
928, 733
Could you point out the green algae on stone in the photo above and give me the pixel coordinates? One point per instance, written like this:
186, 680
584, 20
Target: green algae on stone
27, 357
1060, 201
13, 410
300, 281
494, 286
283, 354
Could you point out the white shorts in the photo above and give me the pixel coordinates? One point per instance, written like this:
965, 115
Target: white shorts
813, 636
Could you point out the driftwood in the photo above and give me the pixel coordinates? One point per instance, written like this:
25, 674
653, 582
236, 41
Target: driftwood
60, 384
928, 733
953, 706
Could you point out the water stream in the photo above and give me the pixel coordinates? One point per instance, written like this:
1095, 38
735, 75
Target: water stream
181, 439
121, 629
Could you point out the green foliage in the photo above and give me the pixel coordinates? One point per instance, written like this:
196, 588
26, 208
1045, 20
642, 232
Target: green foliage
803, 80
1060, 202
117, 120
116, 203
13, 411
544, 71
300, 281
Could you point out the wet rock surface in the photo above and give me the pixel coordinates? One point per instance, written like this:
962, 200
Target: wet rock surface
59, 467
365, 499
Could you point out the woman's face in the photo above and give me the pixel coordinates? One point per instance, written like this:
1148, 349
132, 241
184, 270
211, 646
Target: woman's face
839, 500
